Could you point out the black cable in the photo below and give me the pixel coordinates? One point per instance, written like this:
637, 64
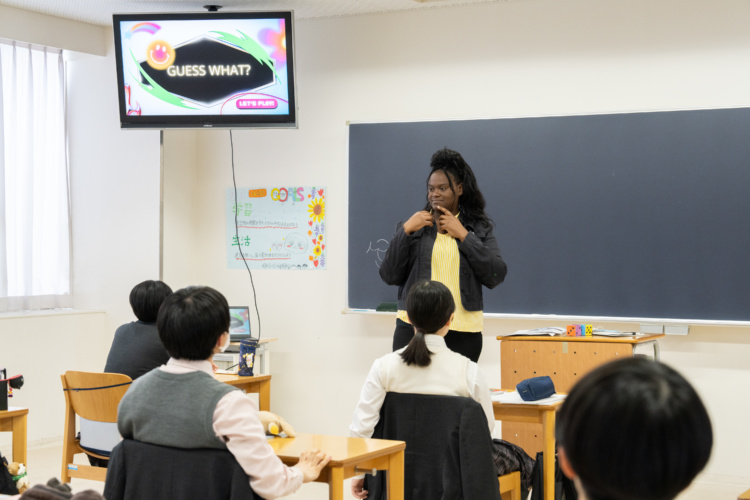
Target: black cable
237, 234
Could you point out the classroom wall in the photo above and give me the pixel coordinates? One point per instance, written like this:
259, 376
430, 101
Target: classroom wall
491, 60
536, 57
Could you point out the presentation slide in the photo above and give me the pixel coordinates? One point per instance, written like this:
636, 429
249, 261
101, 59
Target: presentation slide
204, 67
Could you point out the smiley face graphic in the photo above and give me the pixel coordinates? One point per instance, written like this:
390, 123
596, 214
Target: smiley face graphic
160, 55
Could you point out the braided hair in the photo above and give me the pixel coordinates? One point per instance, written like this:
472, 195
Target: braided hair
471, 202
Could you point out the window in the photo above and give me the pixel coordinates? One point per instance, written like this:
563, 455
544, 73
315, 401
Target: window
34, 194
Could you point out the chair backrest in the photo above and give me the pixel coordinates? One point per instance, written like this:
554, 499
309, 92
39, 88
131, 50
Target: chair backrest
148, 471
95, 396
448, 447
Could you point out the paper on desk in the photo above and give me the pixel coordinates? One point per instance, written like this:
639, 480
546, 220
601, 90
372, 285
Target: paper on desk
613, 333
548, 330
515, 398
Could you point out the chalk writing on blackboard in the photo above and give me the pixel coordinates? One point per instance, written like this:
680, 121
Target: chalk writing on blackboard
381, 246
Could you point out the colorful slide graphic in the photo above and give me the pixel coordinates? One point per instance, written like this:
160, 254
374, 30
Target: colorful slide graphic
205, 67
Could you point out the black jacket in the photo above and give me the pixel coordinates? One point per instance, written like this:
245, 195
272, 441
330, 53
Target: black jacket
142, 471
409, 259
448, 452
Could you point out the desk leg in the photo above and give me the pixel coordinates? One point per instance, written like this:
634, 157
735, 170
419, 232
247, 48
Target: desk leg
264, 396
396, 476
548, 431
336, 483
19, 439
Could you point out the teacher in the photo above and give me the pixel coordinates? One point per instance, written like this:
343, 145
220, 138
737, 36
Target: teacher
449, 241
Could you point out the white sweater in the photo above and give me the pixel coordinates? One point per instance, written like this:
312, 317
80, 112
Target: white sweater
448, 374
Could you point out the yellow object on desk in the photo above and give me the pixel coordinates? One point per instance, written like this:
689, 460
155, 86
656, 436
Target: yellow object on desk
349, 457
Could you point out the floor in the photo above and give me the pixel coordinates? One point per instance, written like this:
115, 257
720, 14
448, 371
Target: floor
45, 463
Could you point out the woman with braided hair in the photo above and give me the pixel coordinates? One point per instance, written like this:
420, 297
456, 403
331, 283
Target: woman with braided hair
450, 240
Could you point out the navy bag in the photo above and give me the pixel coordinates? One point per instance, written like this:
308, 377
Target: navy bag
533, 389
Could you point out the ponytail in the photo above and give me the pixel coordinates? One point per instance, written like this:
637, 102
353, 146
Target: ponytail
416, 352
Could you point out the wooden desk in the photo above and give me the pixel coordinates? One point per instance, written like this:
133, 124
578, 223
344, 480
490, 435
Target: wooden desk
565, 360
14, 420
349, 457
258, 384
535, 414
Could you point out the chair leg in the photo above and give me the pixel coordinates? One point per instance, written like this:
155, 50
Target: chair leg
70, 446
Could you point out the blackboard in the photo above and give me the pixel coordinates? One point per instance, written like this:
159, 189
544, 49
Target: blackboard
631, 215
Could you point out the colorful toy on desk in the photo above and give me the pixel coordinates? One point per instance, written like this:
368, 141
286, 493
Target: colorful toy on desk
275, 425
577, 330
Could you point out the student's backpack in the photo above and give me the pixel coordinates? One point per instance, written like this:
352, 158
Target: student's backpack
509, 457
7, 485
564, 487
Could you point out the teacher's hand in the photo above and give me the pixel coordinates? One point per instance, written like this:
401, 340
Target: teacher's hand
449, 223
418, 221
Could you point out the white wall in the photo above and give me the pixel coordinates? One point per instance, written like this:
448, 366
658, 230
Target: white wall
115, 190
491, 60
536, 57
41, 347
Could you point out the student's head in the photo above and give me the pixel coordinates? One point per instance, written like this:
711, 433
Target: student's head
448, 166
146, 298
430, 306
191, 321
633, 429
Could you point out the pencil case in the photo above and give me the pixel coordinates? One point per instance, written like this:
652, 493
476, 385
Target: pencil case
535, 388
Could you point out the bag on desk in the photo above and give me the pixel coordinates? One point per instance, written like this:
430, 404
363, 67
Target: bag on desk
564, 487
535, 388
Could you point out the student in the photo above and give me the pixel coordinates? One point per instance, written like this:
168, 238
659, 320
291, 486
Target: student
450, 240
425, 366
182, 405
136, 348
633, 429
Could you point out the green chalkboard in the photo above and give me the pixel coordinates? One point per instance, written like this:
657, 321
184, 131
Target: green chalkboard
632, 215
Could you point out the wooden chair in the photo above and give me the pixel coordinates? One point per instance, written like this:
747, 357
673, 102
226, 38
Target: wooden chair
93, 396
510, 486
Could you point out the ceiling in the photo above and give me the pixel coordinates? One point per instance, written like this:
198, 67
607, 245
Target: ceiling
100, 11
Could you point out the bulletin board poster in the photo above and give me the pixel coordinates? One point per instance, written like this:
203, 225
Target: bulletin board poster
278, 227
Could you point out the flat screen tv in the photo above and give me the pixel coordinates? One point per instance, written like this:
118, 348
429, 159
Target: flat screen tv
210, 69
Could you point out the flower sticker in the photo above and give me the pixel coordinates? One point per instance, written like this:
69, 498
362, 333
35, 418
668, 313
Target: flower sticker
317, 209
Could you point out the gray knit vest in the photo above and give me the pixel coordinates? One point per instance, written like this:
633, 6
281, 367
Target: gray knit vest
172, 409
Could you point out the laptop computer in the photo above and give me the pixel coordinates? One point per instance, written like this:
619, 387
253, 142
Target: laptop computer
239, 323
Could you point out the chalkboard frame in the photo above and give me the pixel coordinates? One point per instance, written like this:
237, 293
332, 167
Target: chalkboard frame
656, 154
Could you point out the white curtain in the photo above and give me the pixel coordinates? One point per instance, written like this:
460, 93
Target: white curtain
34, 193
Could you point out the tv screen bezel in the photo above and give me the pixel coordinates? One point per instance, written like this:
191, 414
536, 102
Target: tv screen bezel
208, 121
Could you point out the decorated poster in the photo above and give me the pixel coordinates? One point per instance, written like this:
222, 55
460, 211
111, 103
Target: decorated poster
278, 228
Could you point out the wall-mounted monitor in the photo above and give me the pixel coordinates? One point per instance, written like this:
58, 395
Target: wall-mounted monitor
210, 69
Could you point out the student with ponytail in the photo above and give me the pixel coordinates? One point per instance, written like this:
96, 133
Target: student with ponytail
450, 240
424, 366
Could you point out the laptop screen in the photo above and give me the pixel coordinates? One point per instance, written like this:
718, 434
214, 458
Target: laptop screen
239, 323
